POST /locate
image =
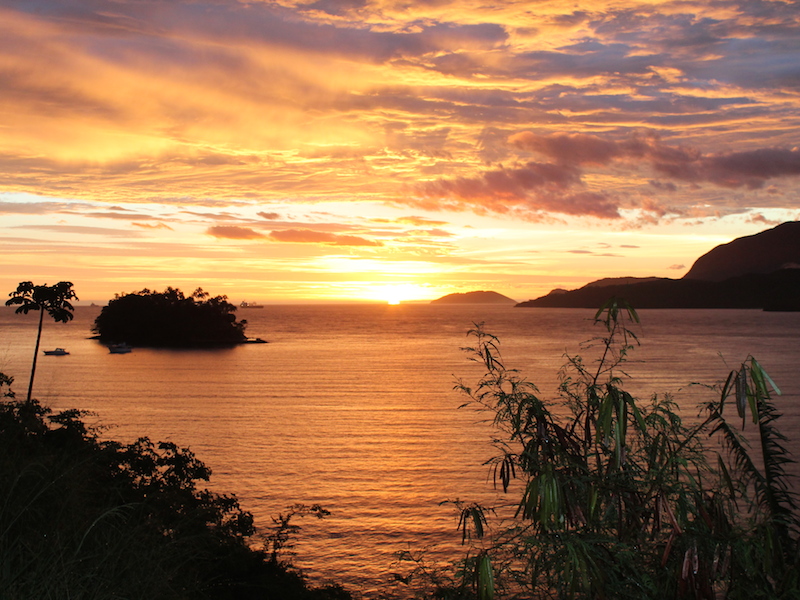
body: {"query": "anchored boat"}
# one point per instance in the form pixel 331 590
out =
pixel 56 352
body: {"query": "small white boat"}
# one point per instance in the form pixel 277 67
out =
pixel 119 348
pixel 56 352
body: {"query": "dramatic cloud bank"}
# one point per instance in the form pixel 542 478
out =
pixel 313 127
pixel 180 101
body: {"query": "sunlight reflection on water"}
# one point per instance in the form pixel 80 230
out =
pixel 353 406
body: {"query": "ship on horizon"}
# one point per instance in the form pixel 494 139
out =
pixel 246 304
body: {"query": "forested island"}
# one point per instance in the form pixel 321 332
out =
pixel 170 319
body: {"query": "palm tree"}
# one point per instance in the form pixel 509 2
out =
pixel 51 298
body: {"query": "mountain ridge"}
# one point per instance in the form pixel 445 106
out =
pixel 760 271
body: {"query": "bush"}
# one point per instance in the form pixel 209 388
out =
pixel 100 520
pixel 619 498
pixel 169 319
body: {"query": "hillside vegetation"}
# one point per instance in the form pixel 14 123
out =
pixel 100 520
pixel 616 497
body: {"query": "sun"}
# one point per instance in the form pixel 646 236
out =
pixel 394 294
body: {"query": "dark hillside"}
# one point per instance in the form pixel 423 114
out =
pixel 779 290
pixel 765 252
pixel 759 271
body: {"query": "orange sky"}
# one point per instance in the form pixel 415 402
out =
pixel 290 150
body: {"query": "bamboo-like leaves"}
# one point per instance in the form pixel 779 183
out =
pixel 506 469
pixel 618 498
pixel 471 521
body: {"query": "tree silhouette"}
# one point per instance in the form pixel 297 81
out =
pixel 55 299
pixel 170 319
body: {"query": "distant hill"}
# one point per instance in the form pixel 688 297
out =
pixel 765 252
pixel 479 297
pixel 771 291
pixel 620 281
pixel 757 271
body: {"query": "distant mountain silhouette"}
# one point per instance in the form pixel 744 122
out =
pixel 479 297
pixel 765 252
pixel 757 271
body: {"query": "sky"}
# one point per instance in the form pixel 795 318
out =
pixel 388 150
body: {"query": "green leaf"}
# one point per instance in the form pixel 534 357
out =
pixel 756 367
pixel 726 476
pixel 741 391
pixel 726 389
pixel 485 578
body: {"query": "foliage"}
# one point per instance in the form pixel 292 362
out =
pixel 278 541
pixel 620 498
pixel 53 299
pixel 170 319
pixel 101 520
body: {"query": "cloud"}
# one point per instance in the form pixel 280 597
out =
pixel 318 100
pixel 526 190
pixel 420 221
pixel 234 232
pixel 269 216
pixel 126 216
pixel 749 168
pixel 307 236
pixel 676 267
pixel 80 230
pixel 431 232
pixel 665 186
pixel 572 149
pixel 153 226
pixel 760 219
pixel 32 208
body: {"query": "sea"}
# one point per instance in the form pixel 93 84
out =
pixel 354 407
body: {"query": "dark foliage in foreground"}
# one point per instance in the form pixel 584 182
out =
pixel 170 319
pixel 612 497
pixel 618 498
pixel 96 520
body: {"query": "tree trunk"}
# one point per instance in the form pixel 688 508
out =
pixel 36 352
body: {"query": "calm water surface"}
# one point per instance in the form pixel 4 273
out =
pixel 352 406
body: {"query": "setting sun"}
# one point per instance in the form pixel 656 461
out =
pixel 397 293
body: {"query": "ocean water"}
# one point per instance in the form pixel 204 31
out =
pixel 353 407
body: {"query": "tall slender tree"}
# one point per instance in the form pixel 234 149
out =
pixel 53 299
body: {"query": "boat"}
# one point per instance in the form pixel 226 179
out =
pixel 246 304
pixel 56 352
pixel 119 348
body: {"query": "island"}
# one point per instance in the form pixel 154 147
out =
pixel 170 319
pixel 760 271
pixel 478 297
